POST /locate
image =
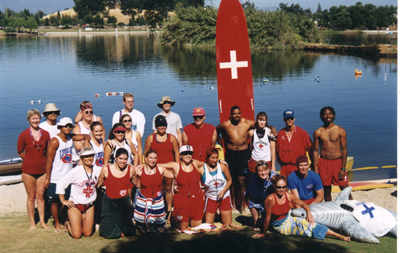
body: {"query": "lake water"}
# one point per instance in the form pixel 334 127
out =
pixel 66 70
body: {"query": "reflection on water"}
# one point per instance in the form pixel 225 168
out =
pixel 358 39
pixel 69 69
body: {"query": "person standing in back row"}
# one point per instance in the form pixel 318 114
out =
pixel 292 142
pixel 173 119
pixel 331 166
pixel 138 119
pixel 199 135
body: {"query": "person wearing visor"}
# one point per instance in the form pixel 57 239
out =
pixel 83 180
pixel 59 161
pixel 118 140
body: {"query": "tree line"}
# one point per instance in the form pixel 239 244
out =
pixel 95 13
pixel 342 17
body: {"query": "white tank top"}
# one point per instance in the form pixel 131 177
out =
pixel 261 147
pixel 114 152
pixel 213 184
pixel 84 130
pixel 133 140
pixel 98 153
pixel 62 162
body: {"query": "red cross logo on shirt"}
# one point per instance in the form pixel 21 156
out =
pixel 216 184
pixel 261 146
pixel 88 191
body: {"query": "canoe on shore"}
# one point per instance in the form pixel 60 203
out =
pixel 10 165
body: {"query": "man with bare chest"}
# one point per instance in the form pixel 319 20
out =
pixel 235 134
pixel 331 165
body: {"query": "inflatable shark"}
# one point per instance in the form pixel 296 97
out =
pixel 362 221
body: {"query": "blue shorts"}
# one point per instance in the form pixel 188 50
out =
pixel 51 192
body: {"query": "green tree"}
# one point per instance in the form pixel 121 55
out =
pixel 153 18
pixel 98 20
pixel 66 21
pixel 3 20
pixel 296 9
pixel 84 7
pixel 319 9
pixel 31 23
pixel 112 20
pixel 54 21
pixel 132 22
pixel 88 19
pixel 357 16
pixel 16 23
pixel 46 22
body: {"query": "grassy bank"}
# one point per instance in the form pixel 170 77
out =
pixel 16 237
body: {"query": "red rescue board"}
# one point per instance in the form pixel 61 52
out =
pixel 234 72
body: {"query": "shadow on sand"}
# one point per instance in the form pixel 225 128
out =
pixel 220 242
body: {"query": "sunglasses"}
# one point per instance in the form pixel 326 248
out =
pixel 281 187
pixel 198 117
pixel 128 120
pixel 119 132
pixel 50 113
pixel 291 118
pixel 69 126
pixel 89 112
pixel 186 153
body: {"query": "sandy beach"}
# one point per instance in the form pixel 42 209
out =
pixel 14 198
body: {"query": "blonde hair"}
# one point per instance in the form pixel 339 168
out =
pixel 31 113
pixel 127 95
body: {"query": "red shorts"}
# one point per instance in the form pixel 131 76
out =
pixel 329 170
pixel 83 207
pixel 211 205
pixel 186 209
pixel 287 169
pixel 309 201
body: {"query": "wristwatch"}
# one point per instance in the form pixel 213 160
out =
pixel 344 169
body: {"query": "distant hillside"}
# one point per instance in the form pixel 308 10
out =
pixel 112 12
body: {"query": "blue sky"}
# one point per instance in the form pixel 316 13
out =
pixel 50 6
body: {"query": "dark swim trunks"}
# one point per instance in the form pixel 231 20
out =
pixel 237 161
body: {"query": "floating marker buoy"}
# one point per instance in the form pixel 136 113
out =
pixel 265 80
pixel 211 88
pixel 358 72
pixel 114 94
pixel 96 95
pixel 36 102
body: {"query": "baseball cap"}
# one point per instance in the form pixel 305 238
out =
pixel 288 114
pixel 186 148
pixel 198 111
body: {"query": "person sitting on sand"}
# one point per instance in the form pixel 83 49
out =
pixel 277 207
pixel 258 189
pixel 83 180
pixel 119 178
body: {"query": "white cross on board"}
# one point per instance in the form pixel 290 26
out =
pixel 233 65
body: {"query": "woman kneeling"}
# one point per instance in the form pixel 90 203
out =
pixel 83 179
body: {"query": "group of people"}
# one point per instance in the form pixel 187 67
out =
pixel 180 180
